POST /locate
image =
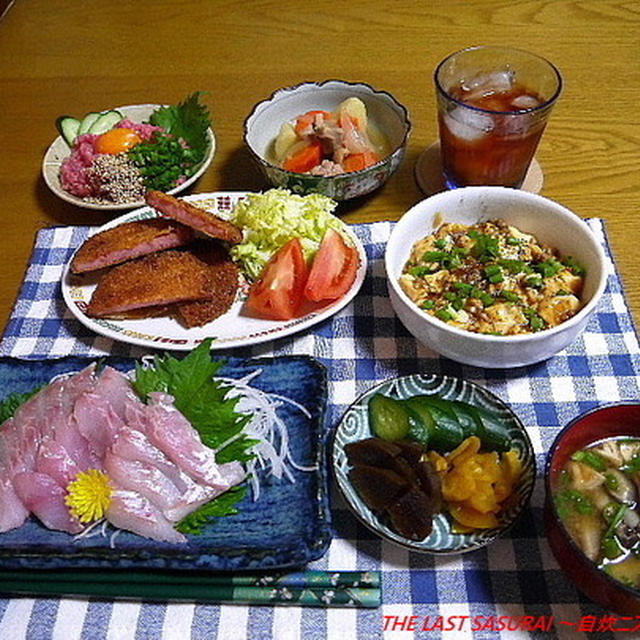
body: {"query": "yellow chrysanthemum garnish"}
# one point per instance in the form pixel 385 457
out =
pixel 89 495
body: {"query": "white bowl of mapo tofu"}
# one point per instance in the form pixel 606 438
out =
pixel 494 277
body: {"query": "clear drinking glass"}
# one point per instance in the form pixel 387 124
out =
pixel 493 105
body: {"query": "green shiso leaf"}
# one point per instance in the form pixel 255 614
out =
pixel 188 120
pixel 224 505
pixel 10 404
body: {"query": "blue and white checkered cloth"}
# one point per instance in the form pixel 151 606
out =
pixel 362 345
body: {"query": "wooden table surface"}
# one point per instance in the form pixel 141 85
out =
pixel 70 57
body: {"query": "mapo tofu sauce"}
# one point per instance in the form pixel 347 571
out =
pixel 492 278
pixel 597 498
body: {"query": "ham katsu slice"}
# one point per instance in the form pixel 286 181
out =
pixel 194 217
pixel 133 512
pixel 159 278
pixel 128 241
pixel 173 434
pixel 44 497
pixel 223 282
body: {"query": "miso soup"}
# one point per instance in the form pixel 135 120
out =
pixel 597 496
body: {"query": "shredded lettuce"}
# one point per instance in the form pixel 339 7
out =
pixel 273 218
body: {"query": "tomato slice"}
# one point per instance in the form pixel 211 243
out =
pixel 280 289
pixel 333 270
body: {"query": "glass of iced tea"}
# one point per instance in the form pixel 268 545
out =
pixel 493 105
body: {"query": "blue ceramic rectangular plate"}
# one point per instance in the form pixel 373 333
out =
pixel 288 526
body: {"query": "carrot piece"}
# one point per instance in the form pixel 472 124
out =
pixel 305 159
pixel 304 121
pixel 359 161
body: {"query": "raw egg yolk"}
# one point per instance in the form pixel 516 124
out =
pixel 117 141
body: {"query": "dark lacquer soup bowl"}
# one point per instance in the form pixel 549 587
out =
pixel 613 421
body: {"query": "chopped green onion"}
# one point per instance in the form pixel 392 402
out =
pixel 420 272
pixel 590 458
pixel 510 296
pixel 515 266
pixel 574 266
pixel 611 482
pixel 445 315
pixel 464 287
pixel 428 304
pixel 548 268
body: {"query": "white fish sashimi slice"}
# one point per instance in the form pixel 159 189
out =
pixel 115 387
pixel 77 446
pixel 12 512
pixel 173 434
pixel 54 403
pixel 44 497
pixel 195 496
pixel 132 444
pixel 97 422
pixel 54 460
pixel 133 512
pixel 143 478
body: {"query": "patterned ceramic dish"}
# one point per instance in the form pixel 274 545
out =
pixel 354 426
pixel 285 105
pixel 59 150
pixel 287 526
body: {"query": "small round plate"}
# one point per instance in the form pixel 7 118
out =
pixel 354 426
pixel 233 329
pixel 59 150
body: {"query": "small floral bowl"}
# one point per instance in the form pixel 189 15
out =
pixel 285 105
pixel 442 540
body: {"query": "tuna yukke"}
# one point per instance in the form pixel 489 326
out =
pixel 115 159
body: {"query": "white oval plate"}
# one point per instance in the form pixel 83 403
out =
pixel 59 150
pixel 230 330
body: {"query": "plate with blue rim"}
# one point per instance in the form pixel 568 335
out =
pixel 354 426
pixel 287 526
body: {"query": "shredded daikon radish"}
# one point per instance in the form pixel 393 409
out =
pixel 272 452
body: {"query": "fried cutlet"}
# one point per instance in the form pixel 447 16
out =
pixel 194 217
pixel 223 282
pixel 128 241
pixel 154 280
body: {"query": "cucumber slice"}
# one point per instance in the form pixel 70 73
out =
pixel 467 419
pixel 493 433
pixel 445 432
pixel 388 418
pixel 68 128
pixel 105 122
pixel 87 121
